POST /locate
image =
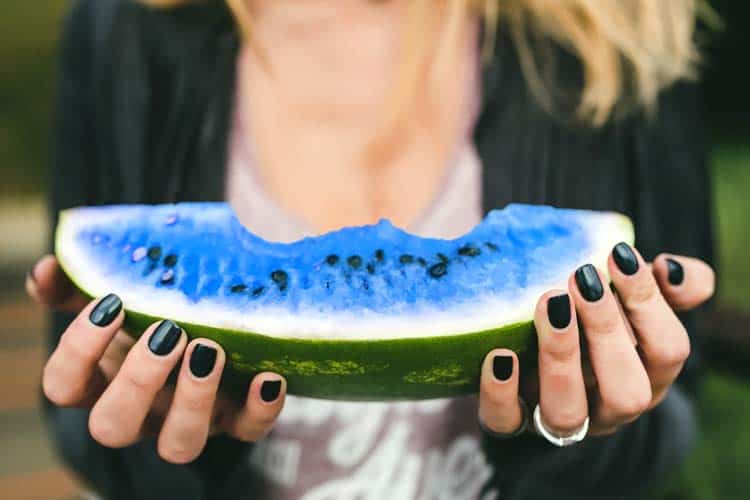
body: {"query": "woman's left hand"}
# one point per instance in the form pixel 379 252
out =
pixel 635 346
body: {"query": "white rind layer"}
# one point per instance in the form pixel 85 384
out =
pixel 605 230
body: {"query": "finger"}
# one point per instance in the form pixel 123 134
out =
pixel 116 352
pixel 118 415
pixel 661 336
pixel 562 393
pixel 185 430
pixel 624 390
pixel 47 284
pixel 157 414
pixel 72 376
pixel 499 408
pixel 265 398
pixel 685 282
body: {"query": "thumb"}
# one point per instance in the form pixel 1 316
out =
pixel 685 282
pixel 499 408
pixel 48 285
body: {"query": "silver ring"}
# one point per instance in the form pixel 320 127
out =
pixel 573 438
pixel 510 435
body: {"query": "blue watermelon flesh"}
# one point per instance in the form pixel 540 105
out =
pixel 195 262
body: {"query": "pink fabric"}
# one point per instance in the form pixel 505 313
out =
pixel 343 450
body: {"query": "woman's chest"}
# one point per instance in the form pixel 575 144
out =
pixel 319 175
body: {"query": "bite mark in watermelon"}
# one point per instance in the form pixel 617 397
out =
pixel 362 313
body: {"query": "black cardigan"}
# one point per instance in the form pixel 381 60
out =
pixel 144 107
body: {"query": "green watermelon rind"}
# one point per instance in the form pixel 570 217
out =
pixel 355 370
pixel 359 369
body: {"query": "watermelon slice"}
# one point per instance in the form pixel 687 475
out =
pixel 362 313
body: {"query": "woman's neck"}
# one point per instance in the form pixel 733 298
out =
pixel 329 58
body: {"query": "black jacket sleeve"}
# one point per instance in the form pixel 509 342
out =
pixel 76 179
pixel 673 205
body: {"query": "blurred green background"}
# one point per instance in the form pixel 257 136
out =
pixel 29 30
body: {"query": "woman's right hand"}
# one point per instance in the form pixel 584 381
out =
pixel 96 365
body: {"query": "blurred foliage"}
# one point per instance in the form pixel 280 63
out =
pixel 731 178
pixel 28 36
pixel 719 467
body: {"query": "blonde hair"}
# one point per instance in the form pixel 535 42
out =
pixel 629 50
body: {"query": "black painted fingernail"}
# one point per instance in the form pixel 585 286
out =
pixel 589 283
pixel 164 338
pixel 270 390
pixel 106 310
pixel 558 311
pixel 625 259
pixel 502 367
pixel 202 360
pixel 675 272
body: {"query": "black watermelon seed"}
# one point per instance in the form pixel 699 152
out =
pixel 332 260
pixel 442 257
pixel 168 277
pixel 154 253
pixel 438 270
pixel 371 268
pixel 421 261
pixel 406 259
pixel 239 288
pixel 281 278
pixel 170 260
pixel 491 246
pixel 469 251
pixel 379 255
pixel 257 292
pixel 355 261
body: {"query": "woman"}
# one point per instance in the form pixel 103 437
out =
pixel 311 115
